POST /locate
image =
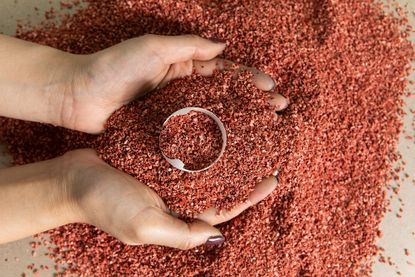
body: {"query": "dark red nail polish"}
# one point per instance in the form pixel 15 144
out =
pixel 215 240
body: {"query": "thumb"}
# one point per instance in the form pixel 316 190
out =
pixel 167 230
pixel 176 49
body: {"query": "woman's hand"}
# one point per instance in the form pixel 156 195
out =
pixel 42 84
pixel 78 187
pixel 132 212
pixel 108 79
pixel 80 92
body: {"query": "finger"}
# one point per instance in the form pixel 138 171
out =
pixel 259 79
pixel 206 68
pixel 261 191
pixel 278 101
pixel 177 70
pixel 176 49
pixel 164 229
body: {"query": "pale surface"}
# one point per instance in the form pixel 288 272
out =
pixel 399 233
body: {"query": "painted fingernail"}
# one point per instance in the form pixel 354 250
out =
pixel 217 40
pixel 215 240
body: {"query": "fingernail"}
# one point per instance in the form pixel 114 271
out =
pixel 215 240
pixel 217 40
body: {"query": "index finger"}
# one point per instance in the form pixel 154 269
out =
pixel 259 79
pixel 176 49
pixel 261 191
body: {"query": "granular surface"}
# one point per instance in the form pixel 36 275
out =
pixel 193 138
pixel 131 141
pixel 342 64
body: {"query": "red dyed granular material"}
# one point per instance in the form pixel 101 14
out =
pixel 342 64
pixel 193 138
pixel 131 141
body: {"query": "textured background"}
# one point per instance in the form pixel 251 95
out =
pixel 398 233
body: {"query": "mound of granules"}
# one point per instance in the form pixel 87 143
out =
pixel 342 64
pixel 131 141
pixel 193 138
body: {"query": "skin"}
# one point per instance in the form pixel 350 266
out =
pixel 80 92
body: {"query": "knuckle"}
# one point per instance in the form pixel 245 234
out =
pixel 140 235
pixel 223 216
pixel 130 235
pixel 142 225
pixel 148 40
pixel 186 243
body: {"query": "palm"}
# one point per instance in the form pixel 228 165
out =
pixel 135 214
pixel 114 201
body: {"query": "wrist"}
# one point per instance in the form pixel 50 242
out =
pixel 36 196
pixel 68 201
pixel 83 105
pixel 36 81
pixel 59 92
pixel 81 176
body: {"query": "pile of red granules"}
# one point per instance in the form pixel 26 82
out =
pixel 342 64
pixel 193 138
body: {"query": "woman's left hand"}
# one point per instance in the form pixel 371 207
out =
pixel 80 92
pixel 108 79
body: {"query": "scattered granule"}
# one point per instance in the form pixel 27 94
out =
pixel 342 64
pixel 193 138
pixel 69 4
pixel 390 262
pixel 406 251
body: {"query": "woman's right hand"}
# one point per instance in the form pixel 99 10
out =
pixel 132 212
